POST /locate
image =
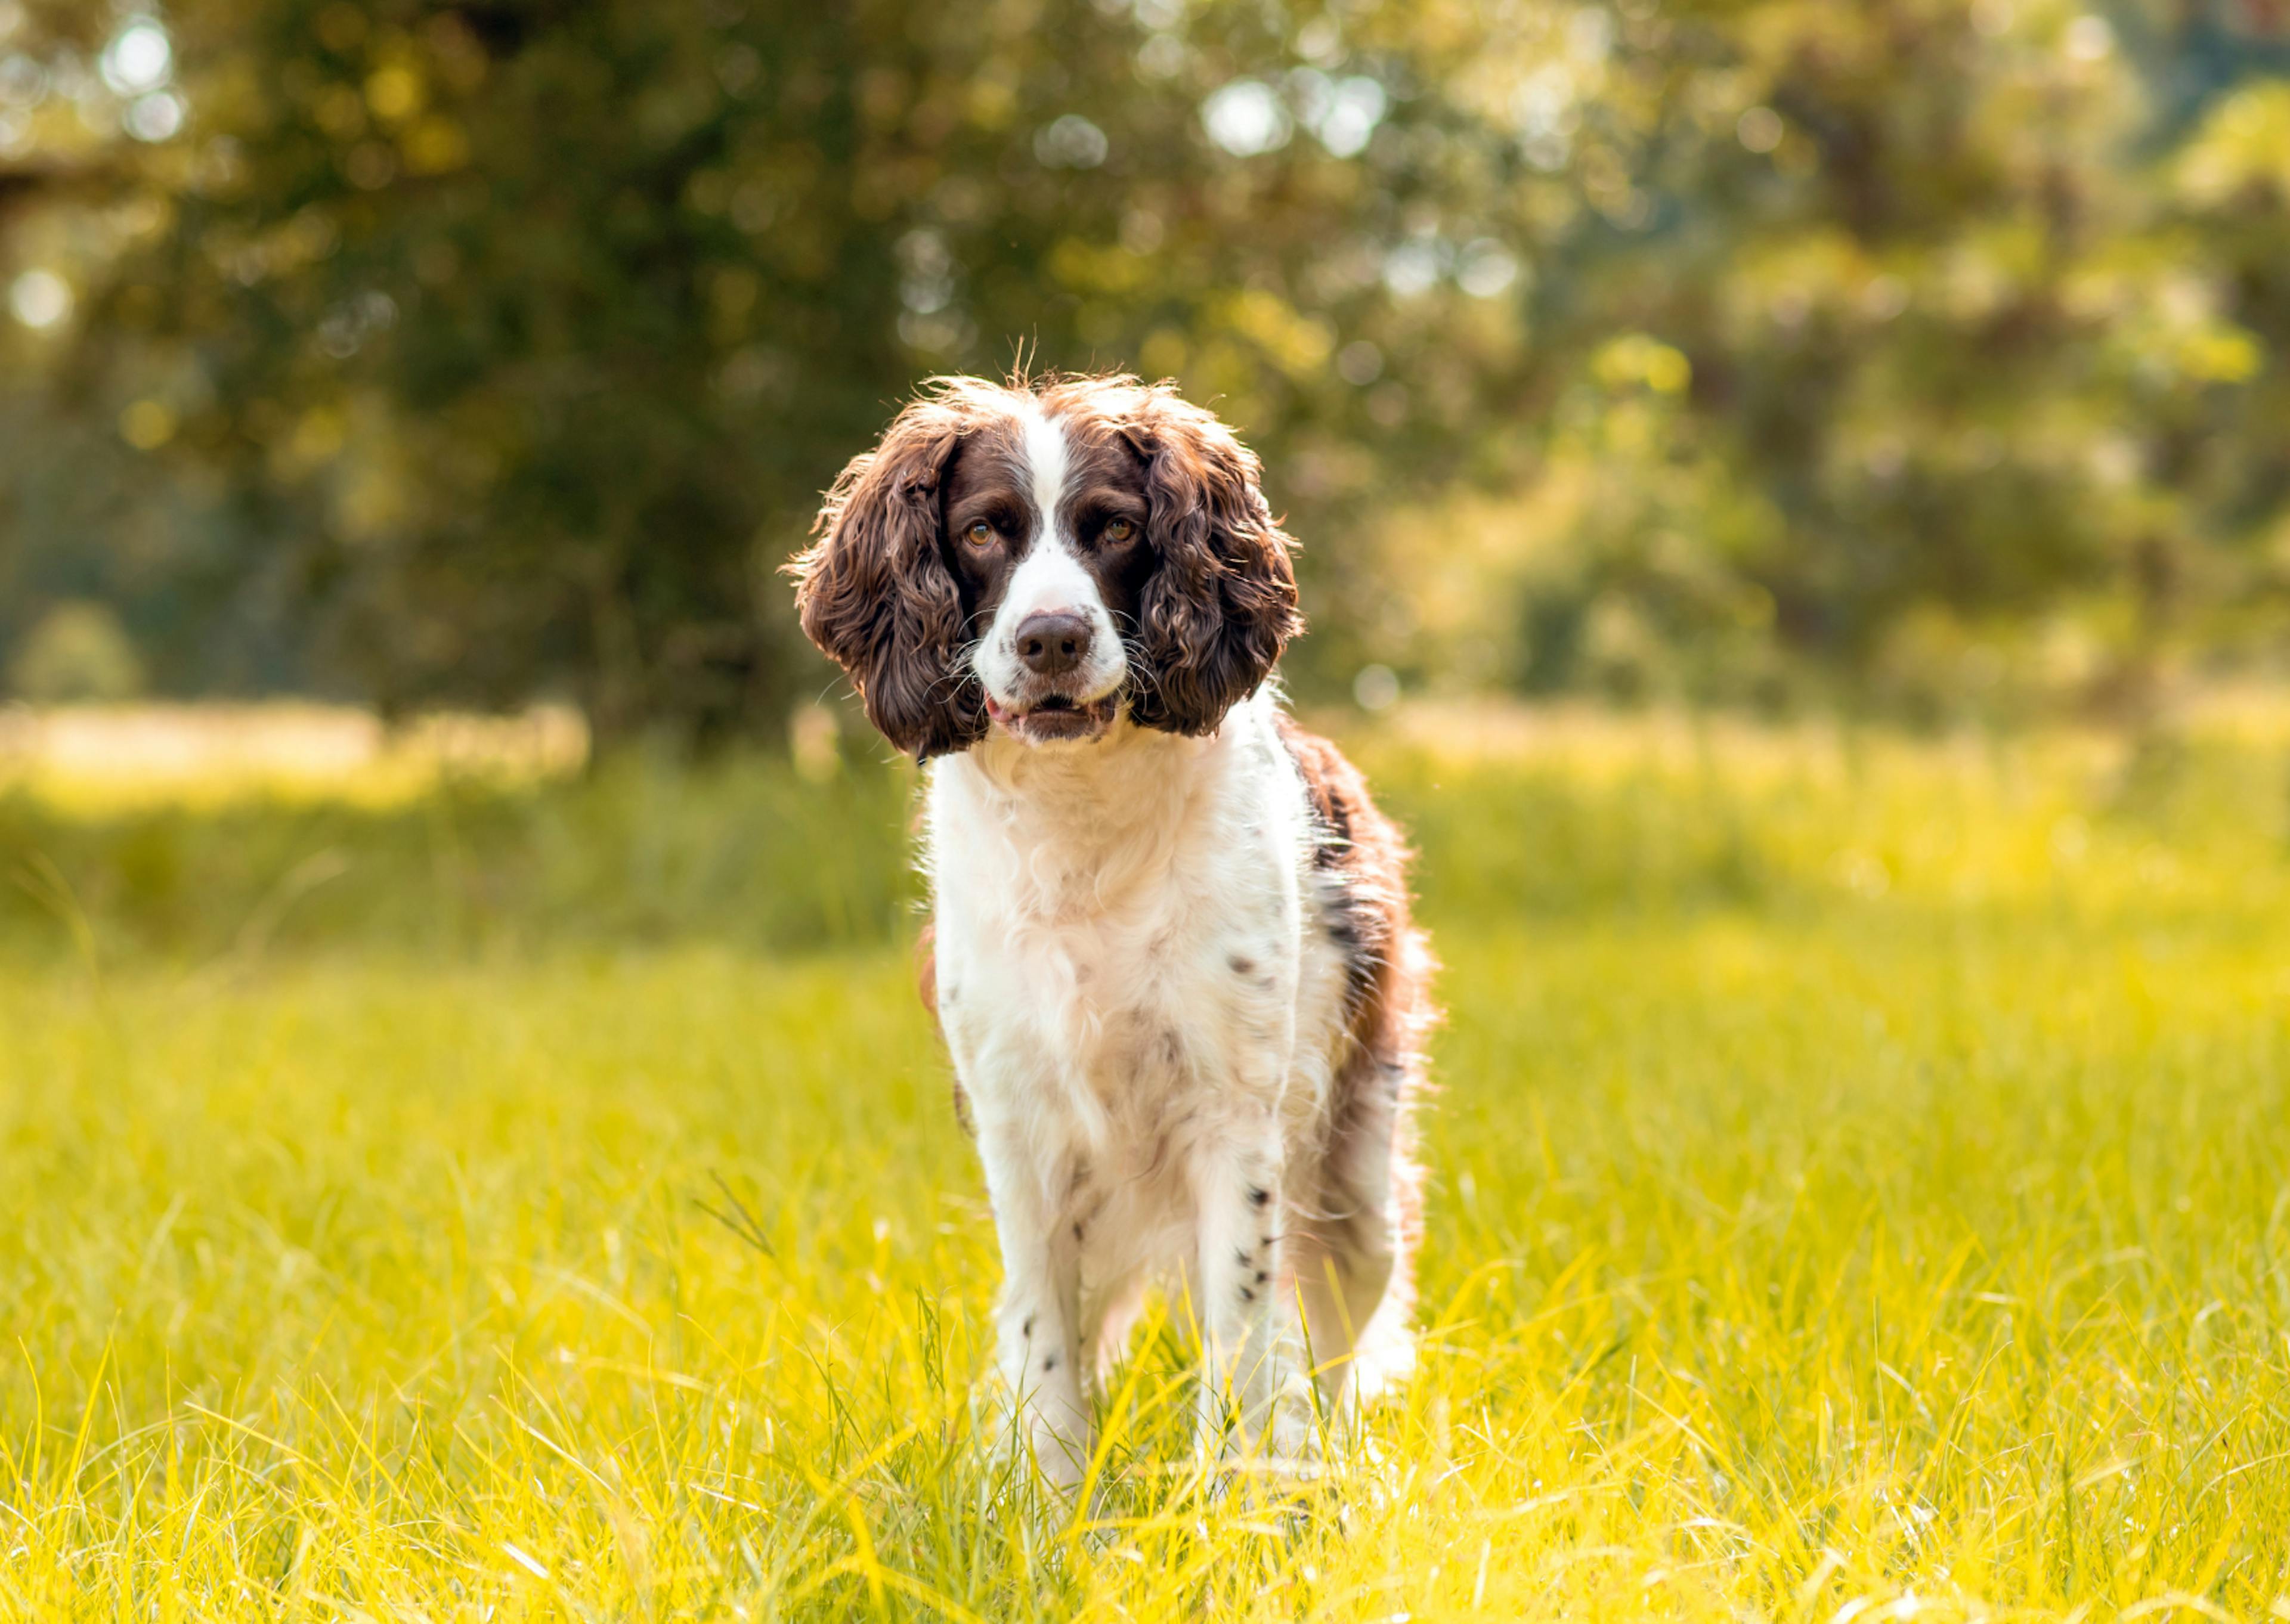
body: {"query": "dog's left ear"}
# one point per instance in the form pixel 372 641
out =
pixel 1223 604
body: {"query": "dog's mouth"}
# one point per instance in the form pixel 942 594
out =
pixel 1055 717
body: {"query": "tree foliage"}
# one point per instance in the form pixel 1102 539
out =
pixel 441 352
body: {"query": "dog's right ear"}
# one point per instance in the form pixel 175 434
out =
pixel 876 595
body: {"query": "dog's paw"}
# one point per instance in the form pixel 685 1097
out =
pixel 1023 1449
pixel 1279 1441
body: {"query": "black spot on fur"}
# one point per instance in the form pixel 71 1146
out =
pixel 1242 964
pixel 1244 1255
pixel 1247 1295
pixel 1027 1330
pixel 1258 1196
pixel 1348 934
pixel 1353 927
pixel 1049 1362
pixel 1076 1228
pixel 1262 1276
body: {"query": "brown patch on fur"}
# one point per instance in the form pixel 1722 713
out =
pixel 1220 605
pixel 1364 856
pixel 1369 1145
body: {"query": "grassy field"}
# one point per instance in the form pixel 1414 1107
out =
pixel 1861 1191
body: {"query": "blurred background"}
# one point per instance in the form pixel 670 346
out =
pixel 405 409
pixel 1921 356
pixel 1795 502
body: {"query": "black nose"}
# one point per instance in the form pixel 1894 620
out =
pixel 1052 643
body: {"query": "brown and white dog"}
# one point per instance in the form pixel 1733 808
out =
pixel 1174 959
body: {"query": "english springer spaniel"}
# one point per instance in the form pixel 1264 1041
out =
pixel 1173 955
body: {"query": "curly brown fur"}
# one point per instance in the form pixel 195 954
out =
pixel 1205 609
pixel 1216 616
pixel 874 592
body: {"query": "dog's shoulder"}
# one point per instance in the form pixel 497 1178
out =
pixel 1352 839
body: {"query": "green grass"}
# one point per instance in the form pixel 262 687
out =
pixel 1862 1191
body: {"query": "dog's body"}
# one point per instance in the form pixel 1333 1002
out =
pixel 1172 960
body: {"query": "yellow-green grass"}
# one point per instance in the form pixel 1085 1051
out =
pixel 1862 1189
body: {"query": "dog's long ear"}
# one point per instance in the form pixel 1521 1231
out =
pixel 874 593
pixel 1223 604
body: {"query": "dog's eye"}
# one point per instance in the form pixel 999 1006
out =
pixel 1119 530
pixel 980 534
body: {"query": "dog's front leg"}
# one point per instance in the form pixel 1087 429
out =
pixel 1037 1331
pixel 1250 1346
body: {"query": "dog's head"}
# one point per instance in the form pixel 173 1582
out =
pixel 1037 558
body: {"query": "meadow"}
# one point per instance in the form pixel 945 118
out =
pixel 1861 1191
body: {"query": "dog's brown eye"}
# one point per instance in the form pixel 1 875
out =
pixel 1119 530
pixel 979 534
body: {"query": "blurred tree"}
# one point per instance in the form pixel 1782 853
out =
pixel 76 652
pixel 452 352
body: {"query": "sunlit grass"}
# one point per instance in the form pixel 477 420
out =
pixel 93 759
pixel 1862 1190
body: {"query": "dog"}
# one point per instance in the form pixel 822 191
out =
pixel 1173 958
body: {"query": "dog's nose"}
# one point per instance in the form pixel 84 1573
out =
pixel 1053 643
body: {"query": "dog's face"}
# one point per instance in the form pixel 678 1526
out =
pixel 1045 522
pixel 1040 560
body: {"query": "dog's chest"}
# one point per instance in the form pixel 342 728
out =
pixel 1106 979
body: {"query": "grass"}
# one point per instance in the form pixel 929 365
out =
pixel 1862 1191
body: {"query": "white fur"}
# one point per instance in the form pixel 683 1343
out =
pixel 1050 578
pixel 1145 1012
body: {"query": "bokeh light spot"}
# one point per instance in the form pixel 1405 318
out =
pixel 1486 268
pixel 1376 688
pixel 140 58
pixel 156 117
pixel 1070 142
pixel 40 299
pixel 147 425
pixel 1759 128
pixel 1246 119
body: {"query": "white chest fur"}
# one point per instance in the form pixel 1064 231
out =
pixel 1125 966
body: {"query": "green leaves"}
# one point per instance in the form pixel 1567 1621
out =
pixel 477 351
